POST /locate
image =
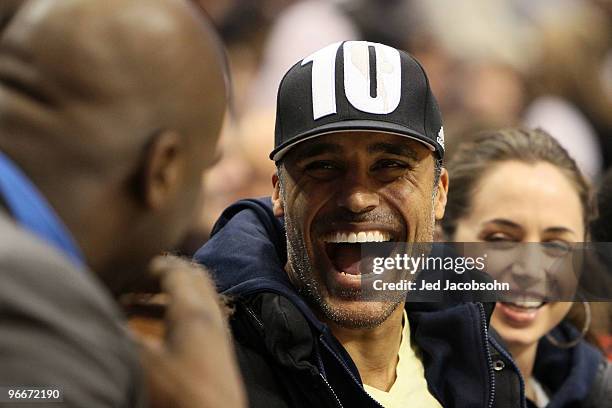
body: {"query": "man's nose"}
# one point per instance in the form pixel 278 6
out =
pixel 357 195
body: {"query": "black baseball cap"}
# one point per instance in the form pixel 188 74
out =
pixel 356 86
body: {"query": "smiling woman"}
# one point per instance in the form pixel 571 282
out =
pixel 520 186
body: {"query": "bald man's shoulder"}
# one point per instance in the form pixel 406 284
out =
pixel 46 300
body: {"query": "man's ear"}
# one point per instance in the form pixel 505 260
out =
pixel 277 199
pixel 164 170
pixel 442 195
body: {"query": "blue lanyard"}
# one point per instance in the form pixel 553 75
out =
pixel 32 211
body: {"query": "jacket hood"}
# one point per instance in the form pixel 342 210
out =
pixel 244 240
pixel 246 254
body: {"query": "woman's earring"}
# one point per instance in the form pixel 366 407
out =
pixel 585 329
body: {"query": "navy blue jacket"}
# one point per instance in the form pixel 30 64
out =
pixel 576 377
pixel 289 358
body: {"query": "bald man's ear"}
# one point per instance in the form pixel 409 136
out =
pixel 164 171
pixel 442 194
pixel 277 199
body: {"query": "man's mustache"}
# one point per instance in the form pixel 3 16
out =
pixel 382 217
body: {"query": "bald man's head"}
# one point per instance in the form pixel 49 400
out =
pixel 113 108
pixel 121 66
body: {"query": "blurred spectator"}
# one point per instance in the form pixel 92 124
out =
pixel 300 30
pixel 567 83
pixel 571 129
pixel 477 54
pixel 574 45
pixel 389 22
pixel 601 227
pixel 479 31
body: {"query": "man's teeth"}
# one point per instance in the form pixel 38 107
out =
pixel 353 237
pixel 528 304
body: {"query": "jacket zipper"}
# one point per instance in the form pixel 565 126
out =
pixel 348 372
pixel 254 316
pixel 329 387
pixel 508 357
pixel 485 333
pixel 327 384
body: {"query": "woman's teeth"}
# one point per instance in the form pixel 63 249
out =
pixel 357 237
pixel 527 304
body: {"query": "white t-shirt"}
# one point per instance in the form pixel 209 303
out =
pixel 410 386
pixel 541 398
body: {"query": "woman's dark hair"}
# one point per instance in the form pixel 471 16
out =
pixel 474 159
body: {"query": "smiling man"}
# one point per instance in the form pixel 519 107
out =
pixel 359 148
pixel 343 189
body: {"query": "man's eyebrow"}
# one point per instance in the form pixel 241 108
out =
pixel 505 223
pixel 398 149
pixel 318 149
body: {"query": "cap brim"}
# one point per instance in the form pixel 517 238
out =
pixel 351 126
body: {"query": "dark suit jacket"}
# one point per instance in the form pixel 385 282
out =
pixel 59 326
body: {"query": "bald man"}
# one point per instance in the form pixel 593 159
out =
pixel 109 114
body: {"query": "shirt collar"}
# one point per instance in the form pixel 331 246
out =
pixel 32 211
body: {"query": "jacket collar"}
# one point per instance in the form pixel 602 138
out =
pixel 31 210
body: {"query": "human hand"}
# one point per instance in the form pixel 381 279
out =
pixel 194 366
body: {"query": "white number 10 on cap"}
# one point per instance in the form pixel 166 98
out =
pixel 379 95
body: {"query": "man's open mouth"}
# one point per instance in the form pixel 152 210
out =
pixel 344 248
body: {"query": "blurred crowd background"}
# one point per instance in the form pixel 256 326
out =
pixel 492 63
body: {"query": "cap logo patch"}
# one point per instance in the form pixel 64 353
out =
pixel 372 78
pixel 440 138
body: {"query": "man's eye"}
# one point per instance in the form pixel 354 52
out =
pixel 323 169
pixel 321 165
pixel 500 241
pixel 497 237
pixel 390 164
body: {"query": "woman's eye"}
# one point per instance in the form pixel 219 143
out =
pixel 557 248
